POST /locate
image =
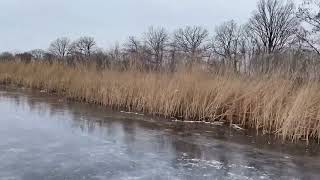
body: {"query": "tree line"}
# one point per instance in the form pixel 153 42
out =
pixel 280 36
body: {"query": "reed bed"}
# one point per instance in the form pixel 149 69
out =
pixel 272 105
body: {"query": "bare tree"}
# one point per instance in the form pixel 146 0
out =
pixel 250 49
pixel 156 40
pixel 60 47
pixel 135 52
pixel 84 46
pixel 173 52
pixel 132 45
pixel 274 23
pixel 191 40
pixel 309 13
pixel 226 42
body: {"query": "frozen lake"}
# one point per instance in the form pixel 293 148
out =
pixel 47 138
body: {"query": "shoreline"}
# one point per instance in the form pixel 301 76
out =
pixel 223 133
pixel 160 95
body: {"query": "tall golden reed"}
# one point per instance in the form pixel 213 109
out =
pixel 274 105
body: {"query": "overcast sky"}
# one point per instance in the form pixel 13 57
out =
pixel 30 24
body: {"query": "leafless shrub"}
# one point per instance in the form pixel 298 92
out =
pixel 37 54
pixel 24 57
pixel 6 56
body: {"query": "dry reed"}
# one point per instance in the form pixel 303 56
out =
pixel 270 105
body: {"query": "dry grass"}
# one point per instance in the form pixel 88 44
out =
pixel 270 105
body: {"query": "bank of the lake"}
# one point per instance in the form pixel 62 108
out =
pixel 286 108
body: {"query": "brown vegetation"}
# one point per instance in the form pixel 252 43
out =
pixel 262 75
pixel 286 108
